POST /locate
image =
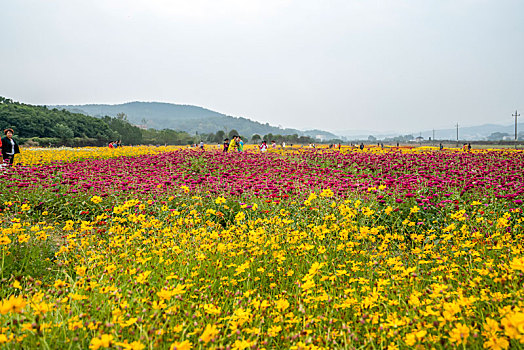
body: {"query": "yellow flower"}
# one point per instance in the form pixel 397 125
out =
pixel 136 345
pixel 142 277
pixel 81 270
pixel 211 309
pixel 220 200
pixel 4 240
pixel 25 207
pixel 13 304
pixel 273 331
pixel 209 333
pixel 326 193
pixel 459 334
pixel 23 238
pixel 185 345
pixel 179 289
pixel 308 285
pixel 517 264
pixel 410 339
pixel 103 341
pixel 59 283
pixel 414 210
pixel 282 304
pixel 96 199
pixel 514 325
pixel 496 343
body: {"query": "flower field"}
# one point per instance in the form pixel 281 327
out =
pixel 296 248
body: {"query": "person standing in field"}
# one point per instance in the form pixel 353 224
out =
pixel 233 144
pixel 240 144
pixel 226 145
pixel 9 147
pixel 362 146
pixel 263 147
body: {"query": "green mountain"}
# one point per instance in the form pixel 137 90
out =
pixel 39 121
pixel 43 126
pixel 191 119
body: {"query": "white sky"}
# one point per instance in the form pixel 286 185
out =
pixel 382 65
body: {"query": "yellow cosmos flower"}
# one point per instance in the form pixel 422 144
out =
pixel 13 304
pixel 209 333
pixel 103 341
pixel 185 345
pixel 517 264
pixel 273 331
pixel 459 334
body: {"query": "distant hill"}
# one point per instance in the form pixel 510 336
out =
pixel 466 133
pixel 479 132
pixel 191 119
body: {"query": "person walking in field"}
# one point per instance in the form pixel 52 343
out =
pixel 9 147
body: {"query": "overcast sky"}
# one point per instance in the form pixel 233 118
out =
pixel 383 65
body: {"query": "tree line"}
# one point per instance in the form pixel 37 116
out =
pixel 39 125
pixel 220 135
pixel 42 126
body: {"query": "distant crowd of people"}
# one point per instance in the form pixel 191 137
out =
pixel 115 144
pixel 236 144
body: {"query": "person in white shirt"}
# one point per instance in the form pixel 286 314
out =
pixel 263 147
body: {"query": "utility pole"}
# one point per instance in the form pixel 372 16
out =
pixel 433 136
pixel 457 133
pixel 516 115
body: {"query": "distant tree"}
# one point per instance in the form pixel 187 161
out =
pixel 232 133
pixel 269 137
pixel 497 136
pixel 63 132
pixel 129 134
pixel 372 138
pixel 219 136
pixel 256 138
pixel 36 121
pixel 121 116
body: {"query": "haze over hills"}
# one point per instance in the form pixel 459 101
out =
pixel 188 118
pixel 467 133
pixel 199 120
